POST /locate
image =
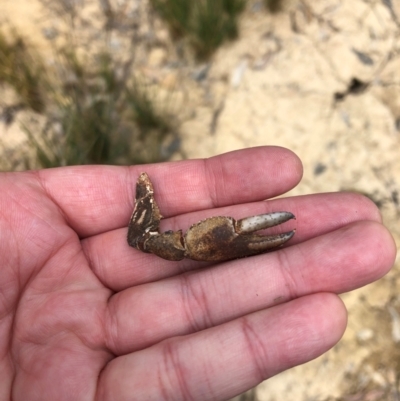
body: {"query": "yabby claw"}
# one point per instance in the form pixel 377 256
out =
pixel 214 239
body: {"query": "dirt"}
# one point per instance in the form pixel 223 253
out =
pixel 321 78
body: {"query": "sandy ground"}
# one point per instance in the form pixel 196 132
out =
pixel 288 82
pixel 321 78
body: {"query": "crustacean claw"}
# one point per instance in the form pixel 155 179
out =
pixel 214 239
pixel 261 221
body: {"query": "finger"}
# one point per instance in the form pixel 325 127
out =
pixel 335 262
pixel 119 266
pixel 96 199
pixel 224 361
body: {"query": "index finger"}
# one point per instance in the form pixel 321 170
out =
pixel 96 199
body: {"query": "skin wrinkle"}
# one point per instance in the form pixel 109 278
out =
pixel 192 300
pixel 73 204
pixel 26 177
pixel 12 224
pixel 232 199
pixel 41 181
pixel 173 367
pixel 13 362
pixel 100 315
pixel 74 258
pixel 12 301
pixel 256 349
pixel 10 369
pixel 161 385
pixel 130 186
pixel 6 308
pixel 289 276
pixel 61 213
pixel 49 260
pixel 8 327
pixel 210 173
pixel 51 252
pixel 160 188
pixel 95 262
pixel 223 178
pixel 105 318
pixel 111 325
pixel 90 260
pixel 29 279
pixel 35 337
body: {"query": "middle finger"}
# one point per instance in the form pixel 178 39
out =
pixel 119 266
pixel 335 262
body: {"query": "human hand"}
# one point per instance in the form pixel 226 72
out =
pixel 85 317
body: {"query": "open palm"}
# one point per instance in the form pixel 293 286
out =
pixel 85 317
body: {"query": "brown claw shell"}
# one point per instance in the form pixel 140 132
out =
pixel 217 239
pixel 214 239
